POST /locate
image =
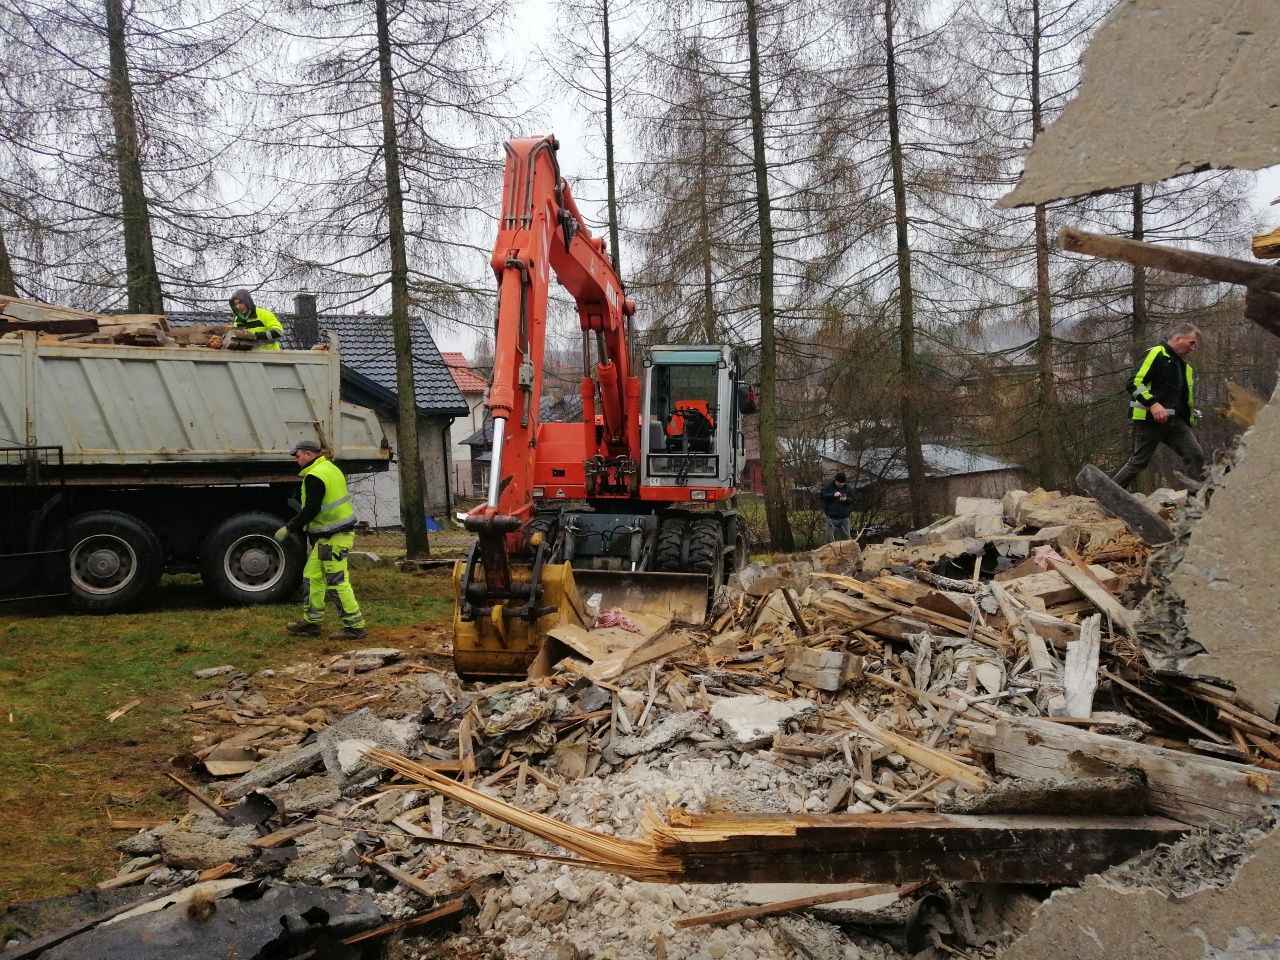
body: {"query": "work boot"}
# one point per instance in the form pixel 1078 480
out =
pixel 348 633
pixel 303 628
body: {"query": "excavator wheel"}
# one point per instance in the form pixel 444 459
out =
pixel 706 549
pixel 668 553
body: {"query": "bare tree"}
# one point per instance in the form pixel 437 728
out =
pixel 386 147
pixel 128 110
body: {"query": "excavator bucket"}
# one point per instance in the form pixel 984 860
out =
pixel 682 597
pixel 498 646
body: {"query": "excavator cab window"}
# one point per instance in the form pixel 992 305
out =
pixel 683 400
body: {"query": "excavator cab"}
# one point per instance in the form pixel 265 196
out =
pixel 692 392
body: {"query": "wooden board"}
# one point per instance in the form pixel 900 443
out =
pixel 1202 791
pixel 1052 587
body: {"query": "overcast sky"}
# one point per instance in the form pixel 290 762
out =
pixel 534 26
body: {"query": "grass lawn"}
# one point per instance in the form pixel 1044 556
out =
pixel 65 771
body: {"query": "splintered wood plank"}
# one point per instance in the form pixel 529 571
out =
pixel 905 847
pixel 1202 791
pixel 1080 676
pixel 786 906
pixel 1095 592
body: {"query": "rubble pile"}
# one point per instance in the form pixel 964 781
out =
pixel 986 673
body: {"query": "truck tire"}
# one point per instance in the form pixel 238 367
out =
pixel 668 551
pixel 114 560
pixel 240 562
pixel 706 549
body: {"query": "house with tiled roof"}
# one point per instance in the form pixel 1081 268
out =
pixel 474 388
pixel 367 348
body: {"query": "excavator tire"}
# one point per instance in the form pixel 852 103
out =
pixel 706 549
pixel 668 553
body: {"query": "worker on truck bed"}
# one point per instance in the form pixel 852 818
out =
pixel 254 322
pixel 1162 407
pixel 329 521
pixel 837 505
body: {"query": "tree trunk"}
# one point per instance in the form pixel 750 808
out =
pixel 704 244
pixel 775 504
pixel 1047 445
pixel 8 285
pixel 142 277
pixel 615 249
pixel 917 480
pixel 412 509
pixel 1138 329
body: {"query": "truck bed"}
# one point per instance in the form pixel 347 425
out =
pixel 177 411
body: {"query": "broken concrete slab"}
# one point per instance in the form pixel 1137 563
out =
pixel 752 721
pixel 1230 572
pixel 196 851
pixel 665 732
pixel 1147 111
pixel 269 772
pixel 1107 919
pixel 343 744
pixel 211 673
pixel 306 795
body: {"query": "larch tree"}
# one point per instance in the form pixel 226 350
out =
pixel 386 141
pixel 126 142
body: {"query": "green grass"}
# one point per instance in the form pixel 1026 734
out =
pixel 64 771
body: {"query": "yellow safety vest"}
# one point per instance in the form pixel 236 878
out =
pixel 336 513
pixel 261 322
pixel 1142 392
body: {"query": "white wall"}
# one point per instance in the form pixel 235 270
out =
pixel 376 496
pixel 462 428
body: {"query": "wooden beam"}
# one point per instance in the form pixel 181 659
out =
pixel 786 906
pixel 1202 791
pixel 907 847
pixel 1123 505
pixel 1170 259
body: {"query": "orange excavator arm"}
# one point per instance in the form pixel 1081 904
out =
pixel 541 232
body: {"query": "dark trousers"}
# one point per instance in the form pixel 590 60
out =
pixel 1147 435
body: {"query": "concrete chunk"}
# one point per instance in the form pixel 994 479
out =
pixel 750 722
pixel 271 771
pixel 195 851
pixel 663 733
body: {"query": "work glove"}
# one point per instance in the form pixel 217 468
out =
pixel 281 535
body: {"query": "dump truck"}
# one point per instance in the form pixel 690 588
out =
pixel 119 464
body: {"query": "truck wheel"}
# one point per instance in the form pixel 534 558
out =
pixel 706 549
pixel 668 551
pixel 114 560
pixel 242 564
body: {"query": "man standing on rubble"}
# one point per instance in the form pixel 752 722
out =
pixel 837 504
pixel 251 322
pixel 327 517
pixel 1162 407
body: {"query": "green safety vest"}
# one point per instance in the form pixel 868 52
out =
pixel 1142 392
pixel 336 513
pixel 261 322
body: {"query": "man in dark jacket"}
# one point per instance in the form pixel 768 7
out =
pixel 1162 407
pixel 837 505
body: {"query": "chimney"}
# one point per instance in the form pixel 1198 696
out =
pixel 306 325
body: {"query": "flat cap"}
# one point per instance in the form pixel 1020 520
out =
pixel 308 445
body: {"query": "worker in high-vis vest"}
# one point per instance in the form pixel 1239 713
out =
pixel 252 322
pixel 1162 405
pixel 328 520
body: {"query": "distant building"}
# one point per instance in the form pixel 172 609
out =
pixel 369 380
pixel 473 388
pixel 878 475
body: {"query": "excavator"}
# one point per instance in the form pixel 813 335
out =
pixel 634 501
